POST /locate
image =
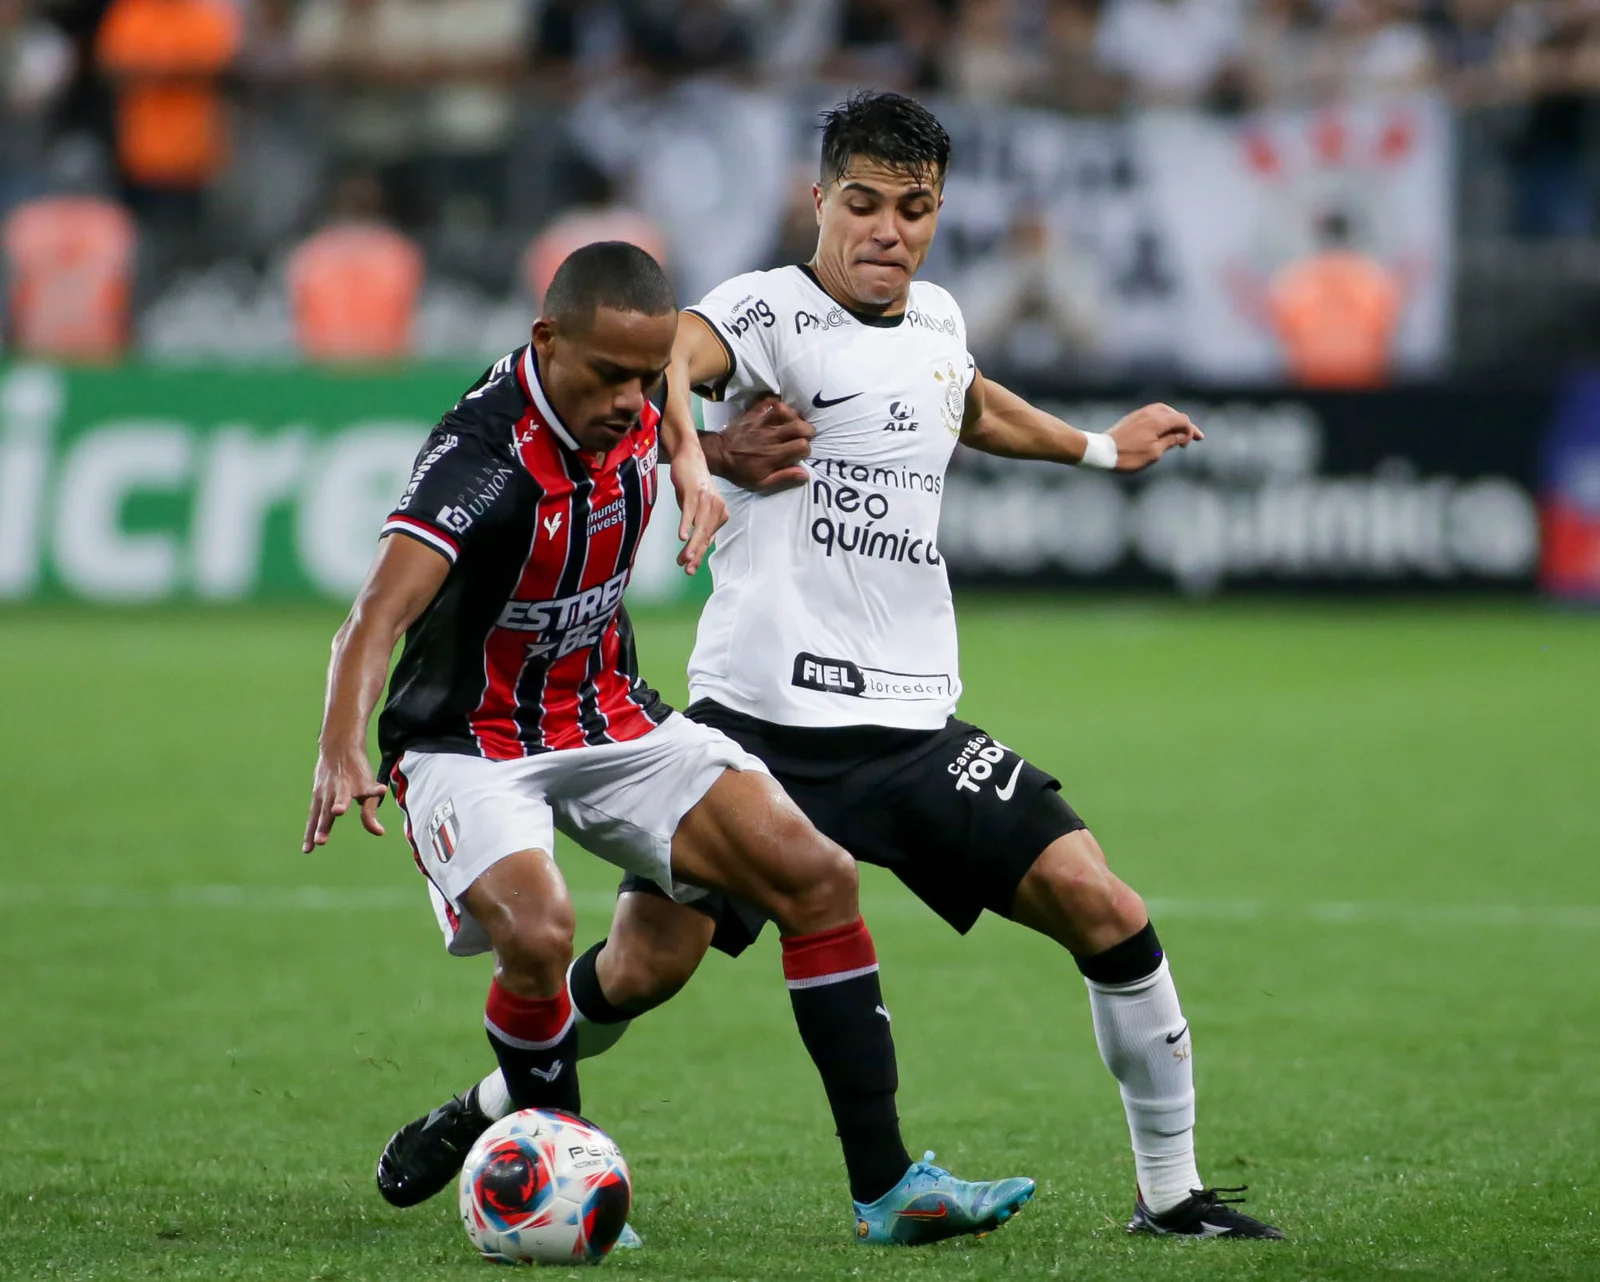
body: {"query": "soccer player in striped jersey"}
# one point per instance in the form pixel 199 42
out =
pixel 517 708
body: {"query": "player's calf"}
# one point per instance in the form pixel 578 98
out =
pixel 522 905
pixel 654 948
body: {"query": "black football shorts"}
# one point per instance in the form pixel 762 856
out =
pixel 958 817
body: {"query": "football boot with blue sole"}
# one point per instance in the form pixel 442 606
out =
pixel 929 1204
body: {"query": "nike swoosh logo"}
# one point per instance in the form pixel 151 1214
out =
pixel 1011 784
pixel 881 1011
pixel 925 1215
pixel 548 1074
pixel 1213 1230
pixel 1173 1041
pixel 818 403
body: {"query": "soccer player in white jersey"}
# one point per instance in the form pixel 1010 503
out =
pixel 828 649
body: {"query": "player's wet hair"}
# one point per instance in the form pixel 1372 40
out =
pixel 609 273
pixel 889 128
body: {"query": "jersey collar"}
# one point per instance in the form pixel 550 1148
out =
pixel 876 319
pixel 541 402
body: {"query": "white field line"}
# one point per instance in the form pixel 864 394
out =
pixel 395 898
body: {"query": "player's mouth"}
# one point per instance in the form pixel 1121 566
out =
pixel 614 429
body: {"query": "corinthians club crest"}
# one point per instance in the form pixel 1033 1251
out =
pixel 953 396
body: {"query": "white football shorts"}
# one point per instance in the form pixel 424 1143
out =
pixel 621 801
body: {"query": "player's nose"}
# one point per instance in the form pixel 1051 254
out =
pixel 629 398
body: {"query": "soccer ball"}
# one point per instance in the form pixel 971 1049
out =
pixel 545 1187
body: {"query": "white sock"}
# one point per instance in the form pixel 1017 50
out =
pixel 1144 1040
pixel 494 1100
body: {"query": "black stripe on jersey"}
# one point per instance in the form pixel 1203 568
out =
pixel 628 658
pixel 639 693
pixel 596 725
pixel 529 688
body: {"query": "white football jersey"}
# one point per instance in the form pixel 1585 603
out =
pixel 830 605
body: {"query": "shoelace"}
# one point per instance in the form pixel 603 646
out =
pixel 1212 1196
pixel 926 1167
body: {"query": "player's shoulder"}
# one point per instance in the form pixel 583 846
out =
pixel 487 412
pixel 933 307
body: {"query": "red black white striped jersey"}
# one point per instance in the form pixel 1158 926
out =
pixel 526 647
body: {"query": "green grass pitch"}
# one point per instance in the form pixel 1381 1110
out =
pixel 1367 833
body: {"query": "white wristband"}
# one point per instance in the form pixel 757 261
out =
pixel 1099 450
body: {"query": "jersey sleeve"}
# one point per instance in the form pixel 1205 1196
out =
pixel 969 365
pixel 744 316
pixel 457 488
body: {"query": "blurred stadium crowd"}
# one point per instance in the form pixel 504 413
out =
pixel 256 179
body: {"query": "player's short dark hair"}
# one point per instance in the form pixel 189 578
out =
pixel 889 128
pixel 608 273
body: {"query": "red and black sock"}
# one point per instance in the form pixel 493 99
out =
pixel 536 1041
pixel 838 1005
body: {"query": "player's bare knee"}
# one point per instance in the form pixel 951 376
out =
pixel 825 891
pixel 532 949
pixel 1085 893
pixel 1072 895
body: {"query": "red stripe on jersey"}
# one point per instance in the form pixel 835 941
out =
pixel 430 534
pixel 615 688
pixel 569 678
pixel 565 522
pixel 562 675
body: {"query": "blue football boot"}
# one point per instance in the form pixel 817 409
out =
pixel 929 1204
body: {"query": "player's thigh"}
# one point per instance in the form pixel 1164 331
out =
pixel 465 817
pixel 970 817
pixel 626 801
pixel 1071 895
pixel 747 839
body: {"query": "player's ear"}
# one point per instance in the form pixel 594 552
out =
pixel 543 334
pixel 817 197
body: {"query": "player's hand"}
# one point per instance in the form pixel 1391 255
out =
pixel 1145 435
pixel 703 507
pixel 341 778
pixel 762 448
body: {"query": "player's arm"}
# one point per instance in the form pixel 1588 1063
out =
pixel 405 576
pixel 998 421
pixel 758 450
pixel 698 359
